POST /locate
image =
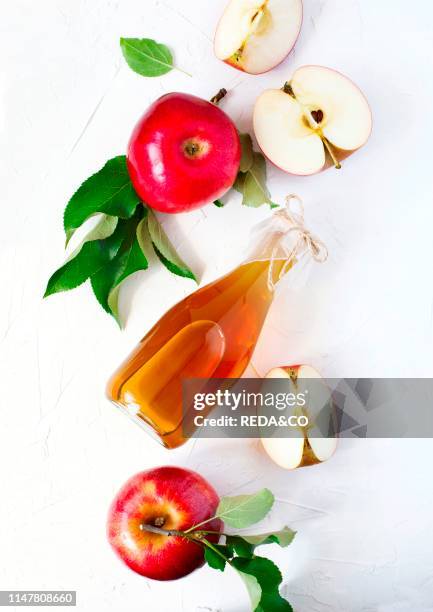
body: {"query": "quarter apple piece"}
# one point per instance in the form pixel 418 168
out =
pixel 316 120
pixel 307 445
pixel 257 35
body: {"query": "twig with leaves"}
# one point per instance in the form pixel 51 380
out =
pixel 116 247
pixel 260 575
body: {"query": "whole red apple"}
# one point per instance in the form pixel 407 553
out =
pixel 170 498
pixel 184 153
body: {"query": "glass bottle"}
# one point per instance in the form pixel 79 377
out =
pixel 210 334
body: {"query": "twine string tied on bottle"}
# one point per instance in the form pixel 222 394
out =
pixel 306 242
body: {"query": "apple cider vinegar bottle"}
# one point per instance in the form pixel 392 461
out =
pixel 212 333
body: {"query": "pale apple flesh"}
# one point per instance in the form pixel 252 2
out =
pixel 257 35
pixel 307 445
pixel 316 120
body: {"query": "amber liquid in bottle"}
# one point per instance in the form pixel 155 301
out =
pixel 210 334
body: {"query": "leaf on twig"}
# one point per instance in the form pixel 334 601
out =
pixel 108 191
pixel 251 179
pixel 254 189
pixel 247 157
pixel 245 510
pixel 267 581
pixel 261 576
pixel 253 588
pixel 165 251
pixel 283 538
pixel 213 559
pixel 94 252
pixel 129 259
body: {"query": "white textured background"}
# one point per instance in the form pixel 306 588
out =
pixel 365 519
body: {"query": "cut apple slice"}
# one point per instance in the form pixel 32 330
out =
pixel 306 445
pixel 257 35
pixel 316 120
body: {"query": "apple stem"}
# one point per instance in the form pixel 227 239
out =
pixel 194 527
pixel 216 551
pixel 287 88
pixel 219 96
pixel 328 147
pixel 160 531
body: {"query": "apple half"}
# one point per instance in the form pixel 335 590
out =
pixel 316 120
pixel 307 445
pixel 256 35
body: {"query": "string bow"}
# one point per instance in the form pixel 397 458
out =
pixel 306 242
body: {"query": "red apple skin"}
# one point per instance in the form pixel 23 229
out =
pixel 165 175
pixel 181 498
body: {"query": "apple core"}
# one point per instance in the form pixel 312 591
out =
pixel 317 116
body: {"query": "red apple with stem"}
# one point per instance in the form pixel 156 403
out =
pixel 148 513
pixel 184 153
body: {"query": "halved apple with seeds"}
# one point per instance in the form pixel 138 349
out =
pixel 257 35
pixel 310 444
pixel 316 120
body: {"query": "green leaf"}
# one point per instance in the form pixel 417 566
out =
pixel 283 538
pixel 136 261
pixel 245 510
pixel 109 191
pixel 105 228
pixel 147 57
pixel 254 190
pixel 240 182
pixel 130 259
pixel 88 259
pixel 253 588
pixel 251 179
pixel 247 152
pixel 143 236
pixel 269 578
pixel 240 546
pixel 244 546
pixel 273 602
pixel 213 559
pixel 103 281
pixel 165 250
pixel 219 204
pixel 264 570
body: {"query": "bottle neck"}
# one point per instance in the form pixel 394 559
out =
pixel 283 240
pixel 278 252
